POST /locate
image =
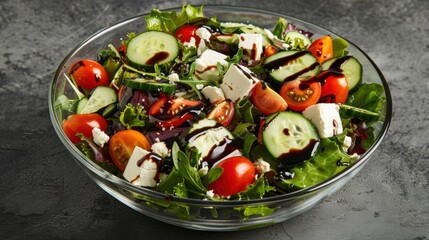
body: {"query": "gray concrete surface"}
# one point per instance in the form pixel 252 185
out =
pixel 44 195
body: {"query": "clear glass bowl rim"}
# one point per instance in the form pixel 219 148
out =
pixel 93 168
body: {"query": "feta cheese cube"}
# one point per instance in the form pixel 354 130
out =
pixel 206 65
pixel 326 118
pixel 99 137
pixel 148 173
pixel 191 43
pixel 347 143
pixel 203 33
pixel 251 43
pixel 213 94
pixel 132 170
pixel 161 149
pixel 262 166
pixel 238 82
pixel 174 77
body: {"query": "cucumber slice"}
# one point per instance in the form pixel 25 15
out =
pixel 109 110
pixel 257 30
pixel 112 65
pixel 347 65
pixel 366 115
pixel 289 137
pixel 150 85
pixel 100 98
pixel 291 65
pixel 152 47
pixel 81 104
pixel 292 37
pixel 208 137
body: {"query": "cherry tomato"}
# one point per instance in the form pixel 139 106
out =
pixel 122 144
pixel 186 32
pixel 322 48
pixel 83 123
pixel 269 50
pixel 89 74
pixel 334 87
pixel 301 94
pixel 174 111
pixel 266 99
pixel 222 112
pixel 238 173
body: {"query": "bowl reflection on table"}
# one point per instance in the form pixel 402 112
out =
pixel 201 214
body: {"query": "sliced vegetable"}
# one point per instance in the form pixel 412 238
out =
pixel 299 95
pixel 267 100
pixel 152 47
pixel 347 65
pixel 100 98
pixel 290 137
pixel 355 112
pixel 122 144
pixel 334 87
pixel 222 112
pixel 291 65
pixel 150 85
pixel 322 48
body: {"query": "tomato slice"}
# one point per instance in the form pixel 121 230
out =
pixel 266 99
pixel 122 144
pixel 334 87
pixel 322 48
pixel 174 111
pixel 222 112
pixel 83 123
pixel 89 74
pixel 301 94
pixel 186 32
pixel 269 50
pixel 238 173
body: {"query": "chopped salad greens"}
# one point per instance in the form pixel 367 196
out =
pixel 197 108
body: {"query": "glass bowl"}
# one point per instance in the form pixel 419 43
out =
pixel 201 214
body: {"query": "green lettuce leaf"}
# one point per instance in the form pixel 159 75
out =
pixel 368 96
pixel 328 161
pixel 133 116
pixel 280 28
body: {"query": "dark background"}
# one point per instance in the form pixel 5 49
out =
pixel 44 195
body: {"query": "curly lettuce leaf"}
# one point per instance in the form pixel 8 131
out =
pixel 328 161
pixel 133 116
pixel 169 21
pixel 280 28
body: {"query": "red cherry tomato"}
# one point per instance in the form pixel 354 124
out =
pixel 334 87
pixel 122 144
pixel 301 94
pixel 238 173
pixel 269 50
pixel 186 32
pixel 173 111
pixel 322 48
pixel 222 112
pixel 89 74
pixel 83 123
pixel 267 100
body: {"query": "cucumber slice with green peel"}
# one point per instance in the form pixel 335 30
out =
pixel 100 98
pixel 81 104
pixel 290 137
pixel 292 37
pixel 291 65
pixel 150 85
pixel 152 47
pixel 347 65
pixel 366 115
pixel 109 110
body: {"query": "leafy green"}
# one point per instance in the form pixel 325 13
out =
pixel 257 189
pixel 328 161
pixel 133 116
pixel 96 154
pixel 170 182
pixel 242 128
pixel 189 173
pixel 280 28
pixel 260 151
pixel 248 141
pixel 169 21
pixel 339 46
pixel 262 210
pixel 247 111
pixel 368 96
pixel 213 174
pixel 130 36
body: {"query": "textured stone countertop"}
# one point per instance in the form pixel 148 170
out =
pixel 44 194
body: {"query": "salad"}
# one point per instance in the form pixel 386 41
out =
pixel 197 108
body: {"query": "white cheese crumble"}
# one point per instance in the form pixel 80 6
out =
pixel 161 149
pixel 213 94
pixel 174 77
pixel 100 138
pixel 262 166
